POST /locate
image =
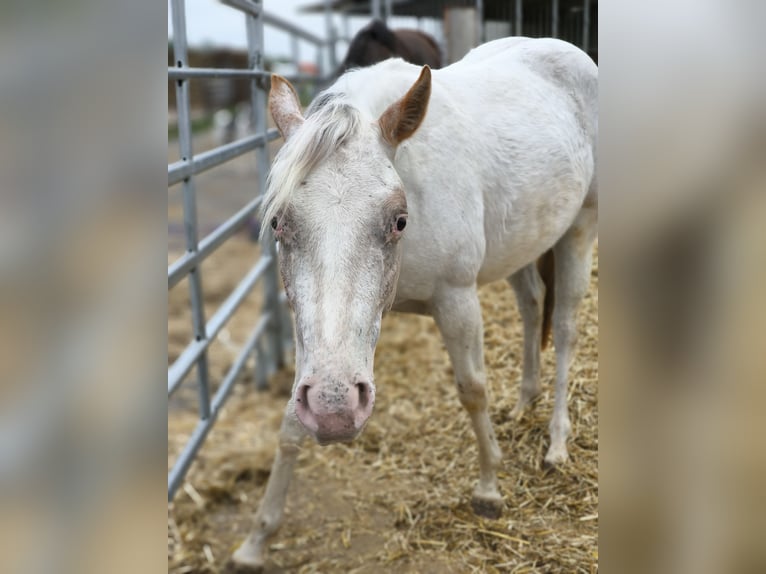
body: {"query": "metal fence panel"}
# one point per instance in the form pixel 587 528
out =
pixel 267 339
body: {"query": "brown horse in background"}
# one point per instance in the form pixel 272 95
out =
pixel 377 42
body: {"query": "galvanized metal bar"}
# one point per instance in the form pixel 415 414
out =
pixel 268 355
pixel 518 17
pixel 247 6
pixel 375 11
pixel 185 459
pixel 261 374
pixel 295 50
pixel 185 168
pixel 555 18
pixel 228 381
pixel 238 295
pixel 196 349
pixel 586 26
pixel 189 73
pixel 346 27
pixel 189 200
pixel 287 26
pixel 331 35
pixel 275 321
pixel 480 20
pixel 184 363
pixel 197 73
pixel 180 267
pixel 210 243
pixel 324 72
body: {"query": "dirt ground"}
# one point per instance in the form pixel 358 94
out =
pixel 398 498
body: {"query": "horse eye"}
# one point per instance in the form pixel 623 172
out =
pixel 274 223
pixel 401 223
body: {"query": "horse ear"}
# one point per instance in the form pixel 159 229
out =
pixel 284 106
pixel 402 118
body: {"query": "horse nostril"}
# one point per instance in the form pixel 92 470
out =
pixel 364 394
pixel 302 396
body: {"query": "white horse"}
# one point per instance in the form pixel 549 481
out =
pixel 405 189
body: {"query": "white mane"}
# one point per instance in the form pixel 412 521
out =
pixel 330 120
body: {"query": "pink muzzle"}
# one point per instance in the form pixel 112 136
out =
pixel 331 410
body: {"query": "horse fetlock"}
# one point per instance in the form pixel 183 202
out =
pixel 520 407
pixel 495 458
pixel 266 524
pixel 495 454
pixel 560 428
pixel 557 455
pixel 530 390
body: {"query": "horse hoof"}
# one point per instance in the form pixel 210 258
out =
pixel 233 567
pixel 487 507
pixel 551 462
pixel 245 561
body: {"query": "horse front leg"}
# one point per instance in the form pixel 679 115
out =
pixel 252 552
pixel 458 316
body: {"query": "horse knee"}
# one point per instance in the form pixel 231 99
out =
pixel 472 394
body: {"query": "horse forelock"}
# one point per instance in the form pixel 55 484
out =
pixel 330 121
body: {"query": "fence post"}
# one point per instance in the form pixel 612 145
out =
pixel 332 36
pixel 185 135
pixel 586 26
pixel 271 336
pixel 269 356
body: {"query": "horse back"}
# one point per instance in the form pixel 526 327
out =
pixel 559 63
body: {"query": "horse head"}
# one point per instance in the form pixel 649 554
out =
pixel 338 209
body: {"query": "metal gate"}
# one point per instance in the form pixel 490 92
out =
pixel 273 328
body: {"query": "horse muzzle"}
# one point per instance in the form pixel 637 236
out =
pixel 331 410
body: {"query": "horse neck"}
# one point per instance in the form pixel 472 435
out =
pixel 371 90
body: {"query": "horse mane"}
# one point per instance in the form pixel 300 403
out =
pixel 330 120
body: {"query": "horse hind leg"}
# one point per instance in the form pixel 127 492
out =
pixel 534 298
pixel 573 256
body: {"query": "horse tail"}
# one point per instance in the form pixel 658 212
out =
pixel 546 266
